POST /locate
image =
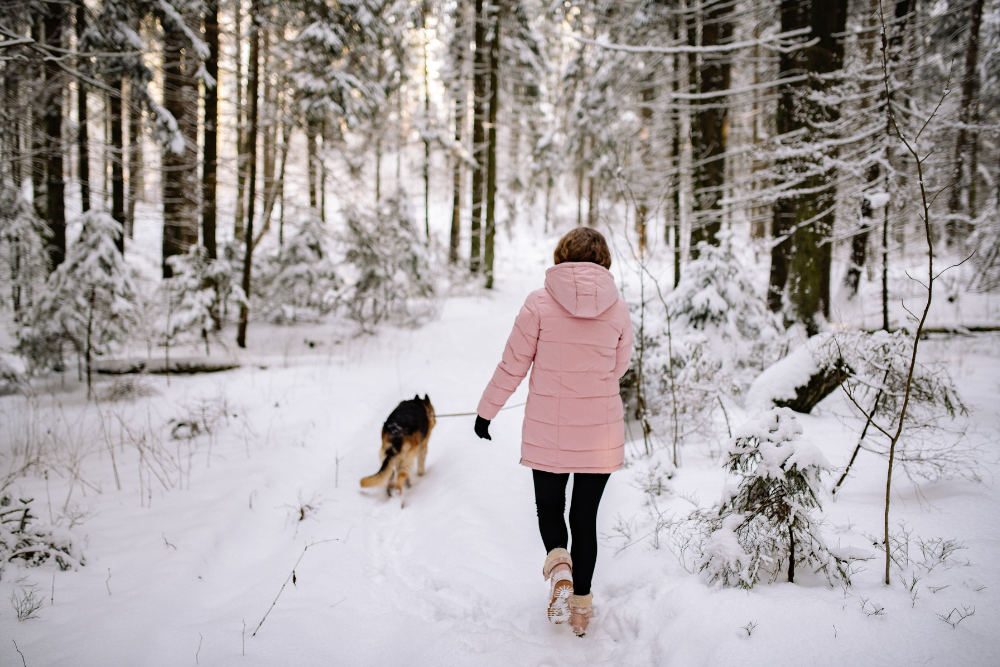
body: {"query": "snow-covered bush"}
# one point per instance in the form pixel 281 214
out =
pixel 21 537
pixel 299 282
pixel 716 298
pixel 767 522
pixel 387 262
pixel 194 296
pixel 702 342
pixel 22 251
pixel 89 301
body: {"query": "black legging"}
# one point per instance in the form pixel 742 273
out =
pixel 550 500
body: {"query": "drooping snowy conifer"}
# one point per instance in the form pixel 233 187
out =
pixel 89 301
pixel 767 524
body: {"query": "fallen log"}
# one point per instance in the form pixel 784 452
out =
pixel 801 380
pixel 182 366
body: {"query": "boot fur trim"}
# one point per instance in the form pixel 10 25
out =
pixel 555 557
pixel 581 603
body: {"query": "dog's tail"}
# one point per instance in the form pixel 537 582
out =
pixel 383 474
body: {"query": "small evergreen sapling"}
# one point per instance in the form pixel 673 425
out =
pixel 89 300
pixel 389 260
pixel 23 258
pixel 768 521
pixel 192 295
pixel 300 281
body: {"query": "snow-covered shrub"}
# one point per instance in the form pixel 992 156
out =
pixel 702 342
pixel 22 538
pixel 12 373
pixel 931 445
pixel 767 522
pixel 194 295
pixel 387 262
pixel 22 251
pixel 299 281
pixel 89 301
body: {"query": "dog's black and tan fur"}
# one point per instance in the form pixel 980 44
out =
pixel 404 440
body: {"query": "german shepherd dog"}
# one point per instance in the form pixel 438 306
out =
pixel 404 439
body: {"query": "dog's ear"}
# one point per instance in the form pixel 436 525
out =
pixel 416 397
pixel 426 400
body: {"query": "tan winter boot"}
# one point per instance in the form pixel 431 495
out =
pixel 558 569
pixel 580 612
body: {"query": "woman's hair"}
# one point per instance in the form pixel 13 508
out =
pixel 583 245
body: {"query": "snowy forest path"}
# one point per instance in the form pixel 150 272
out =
pixel 453 577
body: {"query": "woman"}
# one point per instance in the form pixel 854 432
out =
pixel 577 333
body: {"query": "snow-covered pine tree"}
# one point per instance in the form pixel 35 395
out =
pixel 346 61
pixel 388 262
pixel 195 292
pixel 300 281
pixel 89 301
pixel 703 343
pixel 768 522
pixel 22 251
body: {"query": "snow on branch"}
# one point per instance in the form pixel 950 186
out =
pixel 768 43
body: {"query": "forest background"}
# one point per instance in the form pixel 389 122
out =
pixel 797 194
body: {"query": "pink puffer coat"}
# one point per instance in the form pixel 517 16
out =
pixel 578 334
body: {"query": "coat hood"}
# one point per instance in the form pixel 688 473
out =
pixel 583 288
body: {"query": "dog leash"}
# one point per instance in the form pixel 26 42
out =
pixel 469 414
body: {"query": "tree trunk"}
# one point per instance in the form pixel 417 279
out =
pixel 591 194
pixel 580 169
pixel 135 176
pixel 268 127
pixel 885 269
pixel 459 93
pixel 800 263
pixel 241 152
pixel 322 176
pixel 179 176
pixel 647 95
pixel 491 159
pixel 252 87
pixel 710 126
pixel 791 554
pixel 675 154
pixel 36 139
pixel 479 79
pixel 427 116
pixel 210 151
pixel 117 172
pixel 311 142
pixel 82 142
pixel 960 190
pixel 87 345
pixel 55 185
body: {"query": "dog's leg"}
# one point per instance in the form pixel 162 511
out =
pixel 403 470
pixel 422 456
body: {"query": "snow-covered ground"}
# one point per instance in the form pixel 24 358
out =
pixel 184 561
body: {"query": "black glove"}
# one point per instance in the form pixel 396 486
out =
pixel 483 428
